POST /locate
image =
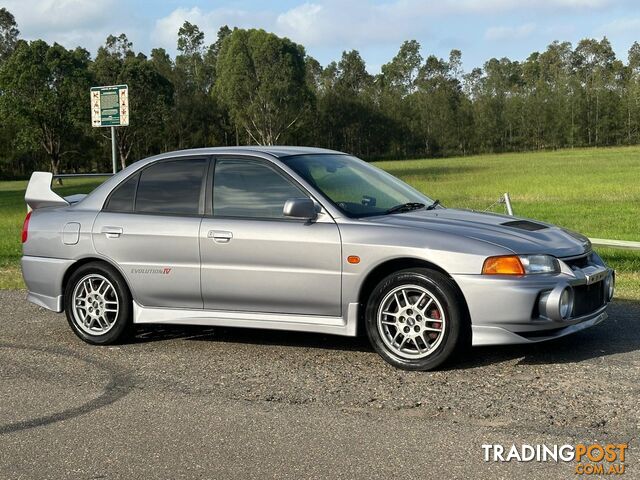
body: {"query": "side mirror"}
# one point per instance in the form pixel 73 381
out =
pixel 300 208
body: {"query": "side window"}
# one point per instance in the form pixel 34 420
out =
pixel 171 187
pixel 121 200
pixel 244 188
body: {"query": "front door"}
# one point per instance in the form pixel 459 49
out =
pixel 149 228
pixel 254 258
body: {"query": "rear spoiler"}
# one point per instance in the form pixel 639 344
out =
pixel 39 193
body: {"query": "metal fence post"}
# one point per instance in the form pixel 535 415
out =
pixel 507 202
pixel 601 242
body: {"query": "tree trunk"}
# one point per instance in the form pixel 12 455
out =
pixel 123 153
pixel 125 144
pixel 628 122
pixel 597 115
pixel 55 166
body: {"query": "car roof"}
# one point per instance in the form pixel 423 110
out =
pixel 96 198
pixel 278 151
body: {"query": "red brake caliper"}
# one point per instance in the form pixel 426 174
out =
pixel 435 315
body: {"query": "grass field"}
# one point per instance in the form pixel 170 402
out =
pixel 12 213
pixel 593 191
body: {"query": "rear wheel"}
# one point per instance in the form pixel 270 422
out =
pixel 414 319
pixel 98 304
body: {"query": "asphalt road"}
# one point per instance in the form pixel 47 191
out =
pixel 232 403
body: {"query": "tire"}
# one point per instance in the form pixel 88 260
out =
pixel 103 306
pixel 413 331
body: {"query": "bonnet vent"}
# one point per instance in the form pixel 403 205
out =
pixel 525 225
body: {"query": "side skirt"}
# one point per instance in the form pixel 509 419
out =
pixel 272 321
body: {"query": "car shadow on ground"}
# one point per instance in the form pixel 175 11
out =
pixel 620 333
pixel 254 336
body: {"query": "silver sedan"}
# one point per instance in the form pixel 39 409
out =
pixel 302 239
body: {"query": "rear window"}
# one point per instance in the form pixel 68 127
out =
pixel 122 198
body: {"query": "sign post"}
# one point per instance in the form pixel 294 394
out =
pixel 110 108
pixel 114 161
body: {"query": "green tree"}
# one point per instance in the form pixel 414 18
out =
pixel 402 71
pixel 8 128
pixel 262 80
pixel 554 93
pixel 150 97
pixel 437 103
pixel 351 117
pixel 45 88
pixel 593 64
pixel 8 34
pixel 162 62
pixel 198 119
pixel 632 95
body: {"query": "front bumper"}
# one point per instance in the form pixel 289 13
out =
pixel 506 309
pixel 486 335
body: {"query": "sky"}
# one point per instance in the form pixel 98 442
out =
pixel 481 29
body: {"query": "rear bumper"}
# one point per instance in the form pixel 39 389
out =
pixel 43 277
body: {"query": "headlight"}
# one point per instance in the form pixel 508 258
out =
pixel 520 265
pixel 539 264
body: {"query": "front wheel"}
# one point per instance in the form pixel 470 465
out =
pixel 414 319
pixel 98 304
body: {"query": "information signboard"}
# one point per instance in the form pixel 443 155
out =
pixel 110 106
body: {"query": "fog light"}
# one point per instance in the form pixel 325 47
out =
pixel 610 286
pixel 556 304
pixel 566 303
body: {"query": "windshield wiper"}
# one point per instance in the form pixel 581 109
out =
pixel 405 207
pixel 435 203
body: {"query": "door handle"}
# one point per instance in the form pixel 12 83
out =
pixel 220 236
pixel 112 232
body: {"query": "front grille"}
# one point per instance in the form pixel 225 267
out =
pixel 577 262
pixel 588 298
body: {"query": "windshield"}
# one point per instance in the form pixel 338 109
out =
pixel 355 187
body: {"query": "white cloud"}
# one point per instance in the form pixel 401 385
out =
pixel 494 6
pixel 59 14
pixel 317 24
pixel 510 33
pixel 71 23
pixel 357 23
pixel 165 32
pixel 349 24
pixel 363 24
pixel 621 25
pixel 411 8
pixel 302 21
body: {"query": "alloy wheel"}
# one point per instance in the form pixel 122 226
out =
pixel 95 304
pixel 411 321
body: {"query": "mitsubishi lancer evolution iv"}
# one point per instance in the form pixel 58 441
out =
pixel 303 239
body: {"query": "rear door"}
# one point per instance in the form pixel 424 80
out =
pixel 255 259
pixel 149 227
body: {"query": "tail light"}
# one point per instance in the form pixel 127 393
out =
pixel 25 227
